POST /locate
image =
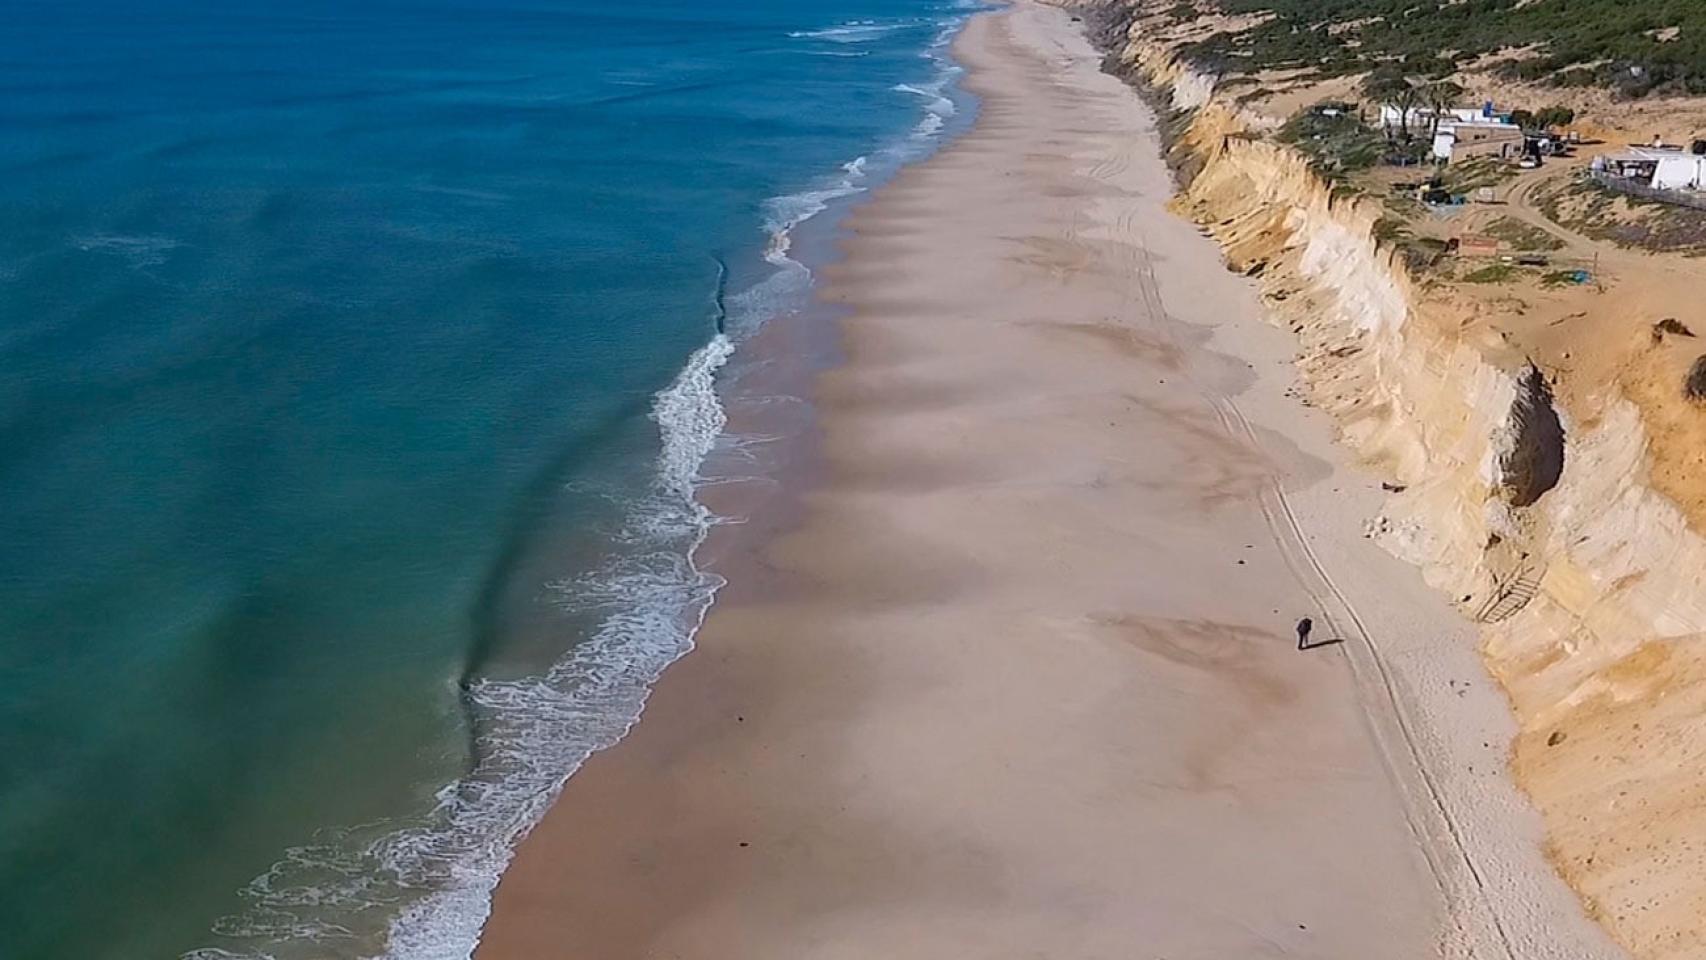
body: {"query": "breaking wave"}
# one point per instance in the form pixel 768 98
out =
pixel 854 31
pixel 422 889
pixel 434 877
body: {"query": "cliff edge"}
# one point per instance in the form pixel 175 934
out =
pixel 1542 453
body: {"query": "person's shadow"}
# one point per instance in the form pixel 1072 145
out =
pixel 1304 628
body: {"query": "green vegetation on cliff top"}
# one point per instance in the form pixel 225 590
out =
pixel 1635 47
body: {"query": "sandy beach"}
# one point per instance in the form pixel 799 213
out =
pixel 1018 678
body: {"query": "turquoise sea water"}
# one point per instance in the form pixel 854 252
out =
pixel 357 360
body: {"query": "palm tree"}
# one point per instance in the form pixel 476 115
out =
pixel 1393 89
pixel 1441 95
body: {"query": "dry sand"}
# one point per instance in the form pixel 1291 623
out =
pixel 1019 679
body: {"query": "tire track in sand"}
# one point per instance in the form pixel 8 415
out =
pixel 1430 820
pixel 1438 834
pixel 1474 923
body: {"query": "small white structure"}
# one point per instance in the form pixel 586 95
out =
pixel 1678 170
pixel 1444 139
pixel 1458 140
pixel 1421 118
pixel 1415 118
pixel 1663 168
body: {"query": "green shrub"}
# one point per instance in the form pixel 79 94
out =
pixel 1336 144
pixel 1615 36
pixel 1523 236
pixel 1491 273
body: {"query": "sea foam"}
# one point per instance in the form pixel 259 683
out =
pixel 854 31
pixel 531 734
pixel 434 877
pixel 542 729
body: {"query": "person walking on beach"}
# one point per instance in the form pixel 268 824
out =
pixel 1303 628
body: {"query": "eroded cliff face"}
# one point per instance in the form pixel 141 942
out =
pixel 1535 515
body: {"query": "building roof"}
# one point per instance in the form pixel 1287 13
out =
pixel 1488 124
pixel 1648 154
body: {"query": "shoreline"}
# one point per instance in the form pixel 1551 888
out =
pixel 778 357
pixel 780 792
pixel 741 478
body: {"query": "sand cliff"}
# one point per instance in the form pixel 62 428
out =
pixel 1525 495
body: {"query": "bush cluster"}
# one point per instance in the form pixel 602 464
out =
pixel 1635 48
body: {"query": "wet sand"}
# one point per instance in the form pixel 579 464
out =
pixel 1018 679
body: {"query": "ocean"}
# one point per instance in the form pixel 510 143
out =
pixel 358 363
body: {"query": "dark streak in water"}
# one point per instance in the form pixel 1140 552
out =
pixel 719 297
pixel 532 508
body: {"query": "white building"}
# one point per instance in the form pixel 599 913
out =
pixel 1665 168
pixel 1459 140
pixel 1421 118
pixel 1416 118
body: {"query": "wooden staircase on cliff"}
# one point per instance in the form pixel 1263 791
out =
pixel 1511 596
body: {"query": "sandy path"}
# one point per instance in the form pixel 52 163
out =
pixel 1021 681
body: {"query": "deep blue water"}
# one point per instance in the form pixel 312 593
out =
pixel 356 361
